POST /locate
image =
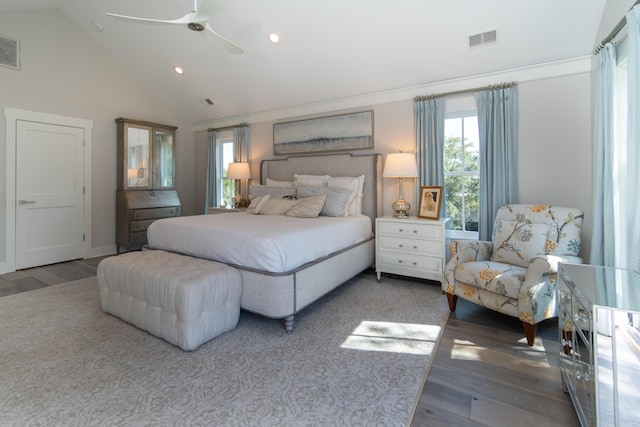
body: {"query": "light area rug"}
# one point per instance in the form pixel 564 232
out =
pixel 357 357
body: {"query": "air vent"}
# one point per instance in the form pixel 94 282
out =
pixel 482 39
pixel 207 102
pixel 9 52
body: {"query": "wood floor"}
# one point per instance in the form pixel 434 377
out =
pixel 483 373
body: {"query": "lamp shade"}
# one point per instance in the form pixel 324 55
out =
pixel 400 165
pixel 239 170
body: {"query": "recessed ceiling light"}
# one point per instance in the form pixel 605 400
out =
pixel 178 70
pixel 274 38
pixel 98 26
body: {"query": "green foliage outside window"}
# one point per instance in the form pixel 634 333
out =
pixel 462 184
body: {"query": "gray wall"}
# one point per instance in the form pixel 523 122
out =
pixel 64 72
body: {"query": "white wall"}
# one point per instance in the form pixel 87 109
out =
pixel 64 72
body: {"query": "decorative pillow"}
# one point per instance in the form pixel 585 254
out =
pixel 338 199
pixel 274 183
pixel 275 192
pixel 257 204
pixel 517 242
pixel 308 207
pixel 311 180
pixel 275 206
pixel 354 184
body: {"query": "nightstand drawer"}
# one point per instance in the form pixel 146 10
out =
pixel 411 229
pixel 410 262
pixel 412 246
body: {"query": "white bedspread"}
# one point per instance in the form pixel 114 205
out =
pixel 272 243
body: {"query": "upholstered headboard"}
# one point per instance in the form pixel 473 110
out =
pixel 369 165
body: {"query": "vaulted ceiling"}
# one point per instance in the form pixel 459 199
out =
pixel 329 49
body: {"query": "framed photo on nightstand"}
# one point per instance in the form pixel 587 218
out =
pixel 430 202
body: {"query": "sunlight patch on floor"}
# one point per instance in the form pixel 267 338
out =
pixel 409 338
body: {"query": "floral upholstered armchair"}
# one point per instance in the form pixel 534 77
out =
pixel 516 273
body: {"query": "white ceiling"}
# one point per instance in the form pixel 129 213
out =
pixel 330 49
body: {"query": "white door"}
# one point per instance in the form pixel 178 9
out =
pixel 49 193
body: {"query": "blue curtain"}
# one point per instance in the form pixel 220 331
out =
pixel 603 232
pixel 211 196
pixel 429 124
pixel 242 146
pixel 633 136
pixel 498 132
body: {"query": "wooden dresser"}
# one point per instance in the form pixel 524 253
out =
pixel 146 171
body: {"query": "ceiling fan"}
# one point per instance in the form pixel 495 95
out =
pixel 198 20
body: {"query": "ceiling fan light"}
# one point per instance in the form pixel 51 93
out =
pixel 274 38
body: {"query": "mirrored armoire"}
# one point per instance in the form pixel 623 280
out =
pixel 146 180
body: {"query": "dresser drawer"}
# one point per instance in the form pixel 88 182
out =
pixel 397 260
pixel 421 231
pixel 140 214
pixel 141 225
pixel 414 246
pixel 138 238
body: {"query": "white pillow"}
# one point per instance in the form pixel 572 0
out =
pixel 338 199
pixel 274 183
pixel 311 180
pixel 275 192
pixel 275 206
pixel 308 207
pixel 517 242
pixel 257 204
pixel 355 184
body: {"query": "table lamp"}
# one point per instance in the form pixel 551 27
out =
pixel 239 170
pixel 400 165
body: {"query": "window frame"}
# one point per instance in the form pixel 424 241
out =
pixel 459 234
pixel 223 138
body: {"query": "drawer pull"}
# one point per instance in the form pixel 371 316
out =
pixel 400 261
pixel 415 247
pixel 400 246
pixel 415 231
pixel 400 230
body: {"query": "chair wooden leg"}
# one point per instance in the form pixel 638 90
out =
pixel 529 332
pixel 452 299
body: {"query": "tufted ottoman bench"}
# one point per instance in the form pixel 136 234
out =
pixel 183 300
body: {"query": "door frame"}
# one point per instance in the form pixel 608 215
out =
pixel 12 115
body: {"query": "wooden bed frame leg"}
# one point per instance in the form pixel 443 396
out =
pixel 288 324
pixel 529 332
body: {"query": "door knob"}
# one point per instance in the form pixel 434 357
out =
pixel 26 202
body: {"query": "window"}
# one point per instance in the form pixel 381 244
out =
pixel 225 155
pixel 462 174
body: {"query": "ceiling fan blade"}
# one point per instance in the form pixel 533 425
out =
pixel 184 20
pixel 222 41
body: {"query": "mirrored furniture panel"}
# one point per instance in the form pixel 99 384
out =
pixel 599 332
pixel 146 179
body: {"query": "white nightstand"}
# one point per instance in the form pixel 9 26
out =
pixel 411 247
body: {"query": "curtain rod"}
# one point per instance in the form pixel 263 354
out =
pixel 621 24
pixel 476 89
pixel 241 125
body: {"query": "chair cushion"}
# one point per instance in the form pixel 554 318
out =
pixel 565 224
pixel 517 242
pixel 496 277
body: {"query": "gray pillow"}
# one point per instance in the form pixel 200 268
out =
pixel 337 202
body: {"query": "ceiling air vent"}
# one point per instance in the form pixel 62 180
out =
pixel 207 102
pixel 9 52
pixel 482 39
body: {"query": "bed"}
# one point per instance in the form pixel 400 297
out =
pixel 281 280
